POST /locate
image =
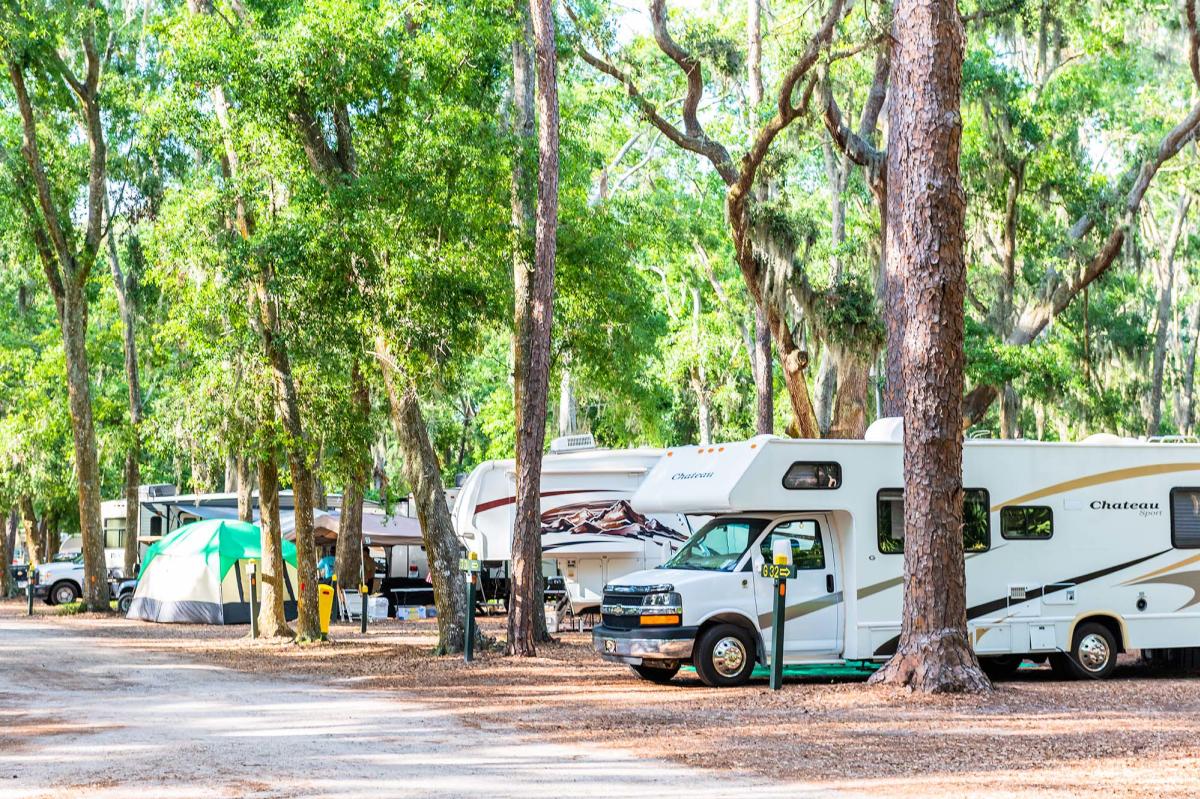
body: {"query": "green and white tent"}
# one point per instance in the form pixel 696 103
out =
pixel 198 575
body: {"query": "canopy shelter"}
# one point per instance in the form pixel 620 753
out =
pixel 383 530
pixel 198 574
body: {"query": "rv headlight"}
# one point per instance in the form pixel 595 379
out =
pixel 663 600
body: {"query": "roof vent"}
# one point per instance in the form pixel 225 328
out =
pixel 889 428
pixel 572 443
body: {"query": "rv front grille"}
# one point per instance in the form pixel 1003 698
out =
pixel 628 620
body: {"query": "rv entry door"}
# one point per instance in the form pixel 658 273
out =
pixel 814 603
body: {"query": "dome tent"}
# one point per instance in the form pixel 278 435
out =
pixel 198 574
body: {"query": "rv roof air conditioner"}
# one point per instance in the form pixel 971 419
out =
pixel 888 428
pixel 572 443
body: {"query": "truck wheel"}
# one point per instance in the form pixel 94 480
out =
pixel 124 602
pixel 1000 667
pixel 1094 652
pixel 724 656
pixel 64 593
pixel 659 674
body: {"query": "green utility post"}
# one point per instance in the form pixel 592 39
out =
pixel 470 566
pixel 780 571
pixel 362 585
pixel 252 568
pixel 29 589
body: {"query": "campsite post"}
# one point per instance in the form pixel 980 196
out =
pixel 470 565
pixel 29 590
pixel 780 570
pixel 362 585
pixel 250 567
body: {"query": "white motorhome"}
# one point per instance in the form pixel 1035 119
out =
pixel 1074 552
pixel 590 535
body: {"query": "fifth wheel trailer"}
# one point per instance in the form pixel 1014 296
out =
pixel 1074 552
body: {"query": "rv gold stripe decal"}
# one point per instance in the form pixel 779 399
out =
pixel 1163 570
pixel 1100 478
pixel 875 588
pixel 802 608
pixel 889 647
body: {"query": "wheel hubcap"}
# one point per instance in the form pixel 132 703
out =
pixel 1093 652
pixel 65 595
pixel 729 656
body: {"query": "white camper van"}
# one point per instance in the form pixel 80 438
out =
pixel 590 534
pixel 1074 552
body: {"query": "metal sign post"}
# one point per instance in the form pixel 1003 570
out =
pixel 470 567
pixel 29 590
pixel 780 571
pixel 362 587
pixel 253 570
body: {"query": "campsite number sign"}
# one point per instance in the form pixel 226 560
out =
pixel 468 564
pixel 778 571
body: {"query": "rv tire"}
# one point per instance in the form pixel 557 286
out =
pixel 1093 652
pixel 658 674
pixel 724 656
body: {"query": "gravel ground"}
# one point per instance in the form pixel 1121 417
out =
pixel 1135 735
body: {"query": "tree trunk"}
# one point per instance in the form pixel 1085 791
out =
pixel 133 454
pixel 568 410
pixel 827 382
pixel 424 477
pixel 526 621
pixel 244 467
pixel 1010 413
pixel 7 542
pixel 764 375
pixel 348 556
pixel 850 406
pixel 272 588
pixel 73 313
pixel 926 210
pixel 1165 274
pixel 29 531
pixel 51 536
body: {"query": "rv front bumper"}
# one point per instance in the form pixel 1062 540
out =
pixel 647 643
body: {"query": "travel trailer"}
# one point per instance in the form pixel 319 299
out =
pixel 1074 553
pixel 590 534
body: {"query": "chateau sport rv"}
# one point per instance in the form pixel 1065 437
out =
pixel 1074 552
pixel 590 534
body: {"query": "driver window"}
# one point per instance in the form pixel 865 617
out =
pixel 804 535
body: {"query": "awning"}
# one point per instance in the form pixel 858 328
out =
pixel 382 530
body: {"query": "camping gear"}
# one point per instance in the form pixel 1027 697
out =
pixel 198 574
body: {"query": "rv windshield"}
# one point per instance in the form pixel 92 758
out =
pixel 718 546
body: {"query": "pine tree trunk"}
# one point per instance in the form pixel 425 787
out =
pixel 348 556
pixel 272 591
pixel 926 210
pixel 424 477
pixel 526 619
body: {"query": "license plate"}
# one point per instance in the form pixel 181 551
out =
pixel 610 645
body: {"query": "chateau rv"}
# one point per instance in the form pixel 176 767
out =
pixel 1074 553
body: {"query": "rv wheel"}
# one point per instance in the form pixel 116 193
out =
pixel 1094 652
pixel 659 674
pixel 724 656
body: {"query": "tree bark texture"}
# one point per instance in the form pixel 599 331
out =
pixel 348 557
pixel 526 624
pixel 424 477
pixel 244 467
pixel 31 531
pixel 8 542
pixel 764 375
pixel 926 211
pixel 272 622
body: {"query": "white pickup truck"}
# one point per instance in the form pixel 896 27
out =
pixel 60 582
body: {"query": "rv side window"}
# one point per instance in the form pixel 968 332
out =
pixel 804 475
pixel 1185 518
pixel 976 520
pixel 805 539
pixel 1019 522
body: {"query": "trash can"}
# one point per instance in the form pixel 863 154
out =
pixel 324 606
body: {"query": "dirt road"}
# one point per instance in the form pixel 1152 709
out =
pixel 99 716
